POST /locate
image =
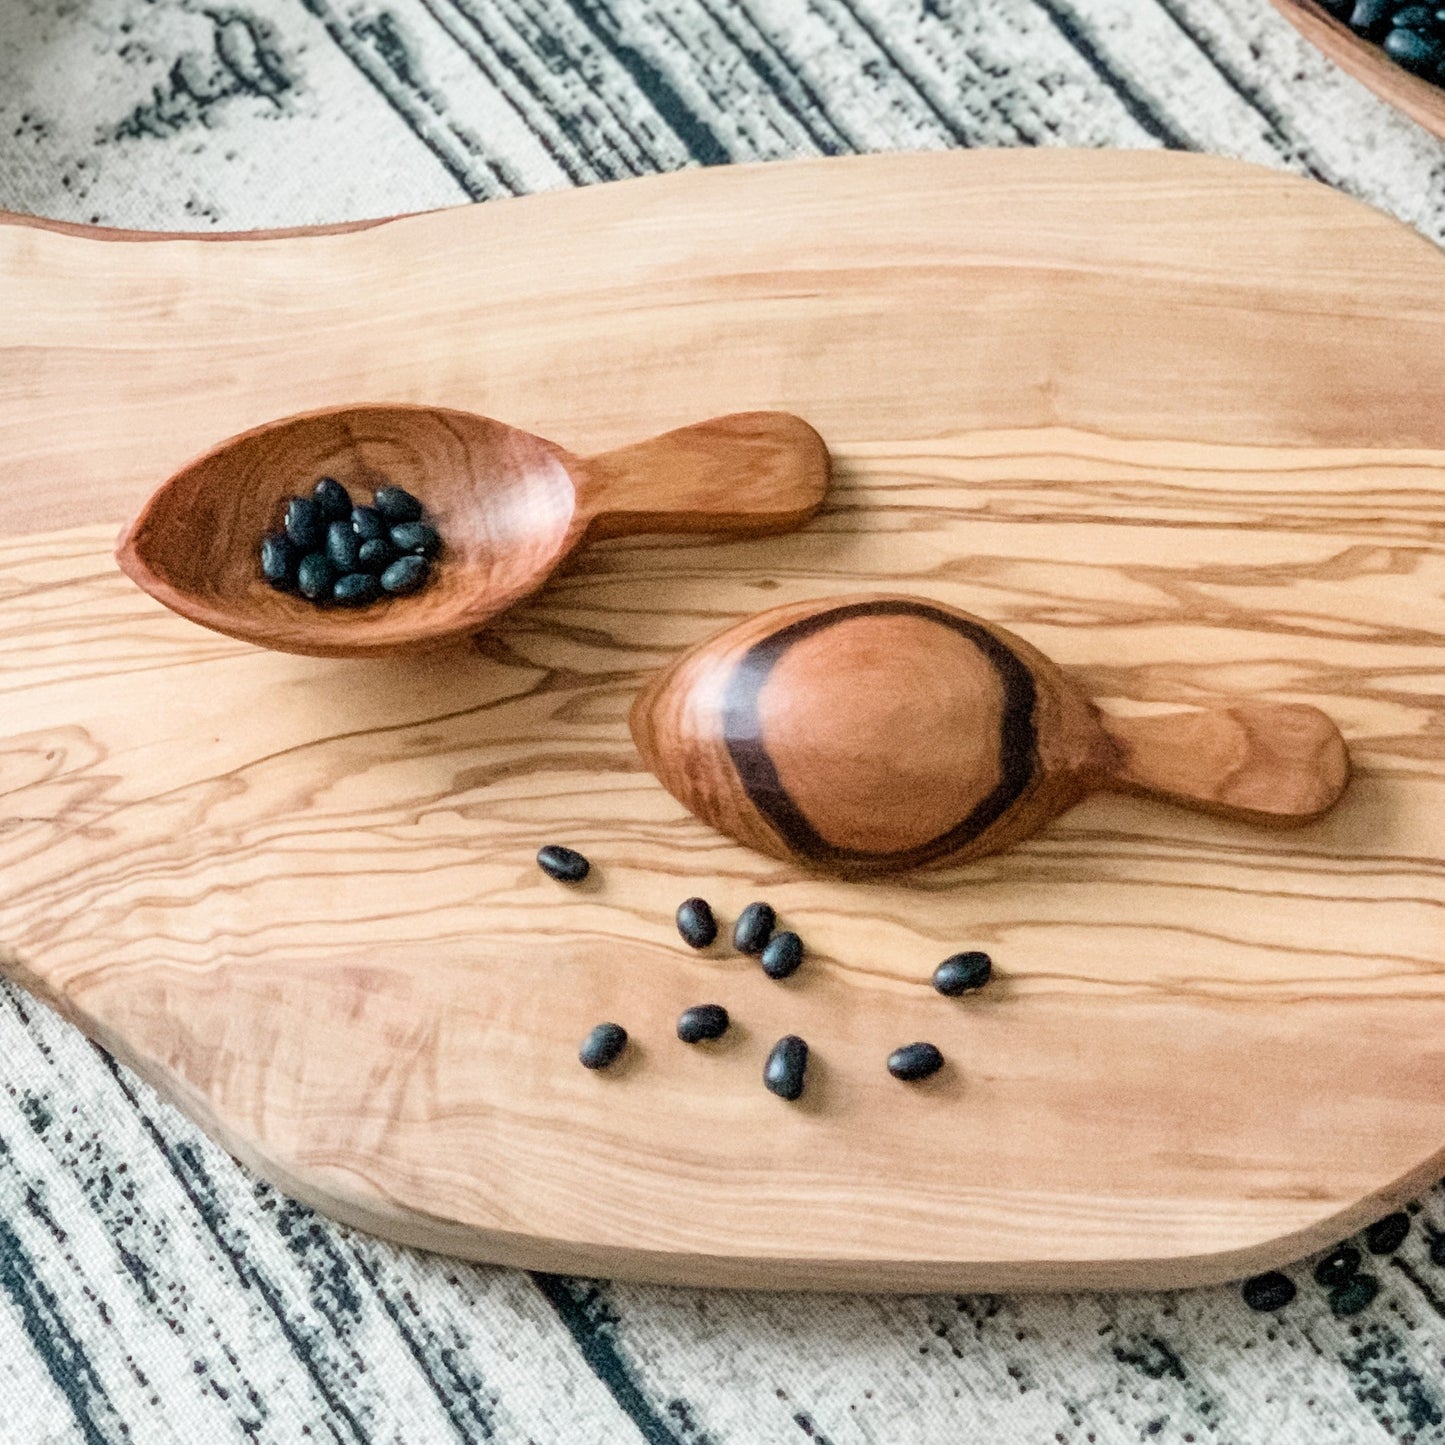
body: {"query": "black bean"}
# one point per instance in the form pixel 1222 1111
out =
pixel 418 537
pixel 914 1061
pixel 1337 1266
pixel 397 505
pixel 368 523
pixel 754 927
pixel 1354 1295
pixel 406 574
pixel 787 1064
pixel 1437 1249
pixel 782 955
pixel 343 546
pixel 1416 17
pixel 1338 8
pixel 1413 51
pixel 1371 18
pixel 1268 1292
pixel 333 499
pixel 704 1021
pixel 355 589
pixel 1386 1235
pixel 603 1046
pixel 376 555
pixel 963 973
pixel 314 576
pixel 304 524
pixel 696 923
pixel 566 865
pixel 278 561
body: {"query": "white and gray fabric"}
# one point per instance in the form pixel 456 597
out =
pixel 151 1290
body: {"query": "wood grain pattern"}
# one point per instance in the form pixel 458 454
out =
pixel 510 507
pixel 299 893
pixel 871 733
pixel 1421 100
pixel 1276 764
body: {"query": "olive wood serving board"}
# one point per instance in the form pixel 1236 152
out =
pixel 1173 420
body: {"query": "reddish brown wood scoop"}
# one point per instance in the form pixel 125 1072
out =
pixel 876 733
pixel 509 506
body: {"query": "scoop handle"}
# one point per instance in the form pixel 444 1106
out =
pixel 750 473
pixel 1273 763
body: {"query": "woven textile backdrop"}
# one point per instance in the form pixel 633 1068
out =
pixel 150 1289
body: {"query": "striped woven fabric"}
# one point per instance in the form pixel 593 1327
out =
pixel 153 1291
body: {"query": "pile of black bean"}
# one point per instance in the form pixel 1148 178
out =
pixel 1412 35
pixel 779 955
pixel 336 553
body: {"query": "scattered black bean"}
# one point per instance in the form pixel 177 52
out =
pixel 914 1061
pixel 1268 1292
pixel 314 576
pixel 1352 1296
pixel 603 1046
pixel 754 927
pixel 343 546
pixel 782 955
pixel 368 523
pixel 406 574
pixel 278 561
pixel 376 555
pixel 1337 1266
pixel 1437 1249
pixel 566 865
pixel 304 523
pixel 1386 1235
pixel 397 505
pixel 333 499
pixel 704 1021
pixel 963 973
pixel 355 589
pixel 787 1064
pixel 418 537
pixel 696 923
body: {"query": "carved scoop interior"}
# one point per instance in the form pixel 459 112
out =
pixel 879 733
pixel 509 506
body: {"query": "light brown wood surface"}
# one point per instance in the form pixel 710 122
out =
pixel 870 733
pixel 510 507
pixel 1420 99
pixel 1174 421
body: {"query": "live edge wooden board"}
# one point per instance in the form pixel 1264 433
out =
pixel 1174 421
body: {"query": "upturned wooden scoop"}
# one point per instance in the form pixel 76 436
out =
pixel 510 506
pixel 878 733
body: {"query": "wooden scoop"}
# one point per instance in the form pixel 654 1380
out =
pixel 877 733
pixel 509 506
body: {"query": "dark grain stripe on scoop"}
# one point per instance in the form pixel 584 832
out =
pixel 742 732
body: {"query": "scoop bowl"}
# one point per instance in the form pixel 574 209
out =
pixel 509 506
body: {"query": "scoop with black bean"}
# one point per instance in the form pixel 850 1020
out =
pixel 334 552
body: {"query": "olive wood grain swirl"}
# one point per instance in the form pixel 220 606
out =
pixel 510 506
pixel 300 896
pixel 876 733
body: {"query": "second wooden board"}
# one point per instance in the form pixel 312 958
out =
pixel 1141 410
